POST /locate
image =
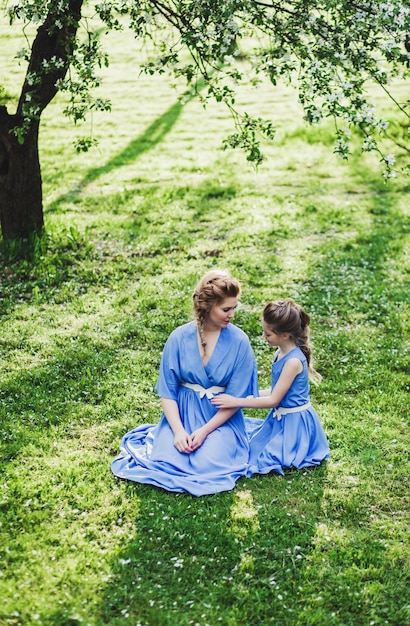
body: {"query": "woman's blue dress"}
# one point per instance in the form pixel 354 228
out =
pixel 294 439
pixel 148 454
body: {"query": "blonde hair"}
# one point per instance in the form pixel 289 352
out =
pixel 212 289
pixel 286 316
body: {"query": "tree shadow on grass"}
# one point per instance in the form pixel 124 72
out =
pixel 351 578
pixel 214 559
pixel 254 545
pixel 153 135
pixel 162 576
pixel 352 283
pixel 60 394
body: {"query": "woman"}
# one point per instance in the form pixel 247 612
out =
pixel 196 447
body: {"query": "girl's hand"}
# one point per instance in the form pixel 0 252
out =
pixel 198 437
pixel 225 401
pixel 183 442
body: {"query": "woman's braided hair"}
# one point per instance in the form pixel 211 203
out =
pixel 286 316
pixel 213 288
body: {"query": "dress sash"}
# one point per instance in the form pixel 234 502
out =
pixel 209 392
pixel 280 411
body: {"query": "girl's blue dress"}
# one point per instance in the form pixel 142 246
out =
pixel 285 440
pixel 148 454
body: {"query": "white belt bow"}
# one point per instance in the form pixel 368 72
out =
pixel 209 392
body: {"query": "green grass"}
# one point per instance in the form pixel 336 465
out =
pixel 130 228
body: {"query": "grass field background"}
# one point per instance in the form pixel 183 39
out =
pixel 131 226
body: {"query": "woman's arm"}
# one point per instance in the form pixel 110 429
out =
pixel 182 439
pixel 291 369
pixel 200 434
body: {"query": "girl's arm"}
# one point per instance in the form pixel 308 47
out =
pixel 182 439
pixel 291 369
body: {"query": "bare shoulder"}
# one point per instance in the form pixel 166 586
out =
pixel 293 366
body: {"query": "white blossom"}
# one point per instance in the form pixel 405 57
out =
pixel 390 159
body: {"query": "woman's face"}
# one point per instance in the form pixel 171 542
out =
pixel 221 314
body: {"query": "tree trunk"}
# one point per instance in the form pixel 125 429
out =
pixel 21 196
pixel 21 204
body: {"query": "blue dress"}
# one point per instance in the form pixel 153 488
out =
pixel 288 439
pixel 148 454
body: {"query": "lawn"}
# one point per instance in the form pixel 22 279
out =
pixel 131 226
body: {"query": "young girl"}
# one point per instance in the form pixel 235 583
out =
pixel 291 435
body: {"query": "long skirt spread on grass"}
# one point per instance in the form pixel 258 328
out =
pixel 148 454
pixel 292 435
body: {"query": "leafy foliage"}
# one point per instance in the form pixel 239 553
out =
pixel 331 51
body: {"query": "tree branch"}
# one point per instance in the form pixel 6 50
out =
pixel 50 56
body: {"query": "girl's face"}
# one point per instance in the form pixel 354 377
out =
pixel 221 314
pixel 273 338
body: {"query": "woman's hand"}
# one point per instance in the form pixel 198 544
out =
pixel 198 437
pixel 225 401
pixel 183 442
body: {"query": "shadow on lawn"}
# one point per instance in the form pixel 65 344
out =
pixel 243 567
pixel 75 378
pixel 153 135
pixel 264 564
pixel 352 579
pixel 215 559
pixel 239 554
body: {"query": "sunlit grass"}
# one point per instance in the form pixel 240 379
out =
pixel 130 228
